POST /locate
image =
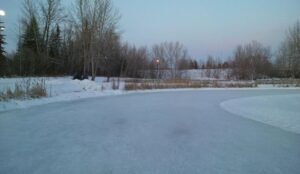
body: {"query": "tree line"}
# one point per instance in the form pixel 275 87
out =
pixel 88 43
pixel 254 60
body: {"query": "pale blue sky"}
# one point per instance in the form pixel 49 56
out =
pixel 205 27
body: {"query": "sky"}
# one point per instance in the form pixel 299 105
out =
pixel 204 27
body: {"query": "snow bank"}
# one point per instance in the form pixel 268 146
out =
pixel 194 74
pixel 61 89
pixel 206 74
pixel 66 89
pixel 282 111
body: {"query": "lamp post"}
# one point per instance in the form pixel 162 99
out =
pixel 157 61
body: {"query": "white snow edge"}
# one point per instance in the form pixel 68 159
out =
pixel 65 89
pixel 281 111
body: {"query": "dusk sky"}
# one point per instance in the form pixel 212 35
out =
pixel 205 27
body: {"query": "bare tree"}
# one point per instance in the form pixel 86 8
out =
pixel 110 49
pixel 288 58
pixel 210 66
pixel 51 14
pixel 134 60
pixel 96 18
pixel 29 10
pixel 252 61
pixel 171 53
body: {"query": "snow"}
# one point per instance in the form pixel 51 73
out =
pixel 166 132
pixel 61 89
pixel 206 74
pixel 282 111
pixel 195 74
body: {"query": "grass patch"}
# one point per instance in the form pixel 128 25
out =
pixel 25 89
pixel 280 82
pixel 181 84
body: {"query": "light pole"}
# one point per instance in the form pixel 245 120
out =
pixel 157 61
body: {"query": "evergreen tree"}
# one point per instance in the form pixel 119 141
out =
pixel 55 43
pixel 31 48
pixel 2 52
pixel 54 51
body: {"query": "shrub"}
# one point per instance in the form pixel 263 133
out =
pixel 115 85
pixel 175 84
pixel 19 92
pixel 24 89
pixel 38 89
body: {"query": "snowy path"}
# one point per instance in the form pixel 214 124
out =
pixel 168 133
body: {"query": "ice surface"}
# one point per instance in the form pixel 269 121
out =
pixel 153 133
pixel 281 110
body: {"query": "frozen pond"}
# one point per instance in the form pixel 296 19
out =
pixel 154 133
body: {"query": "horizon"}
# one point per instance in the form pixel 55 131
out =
pixel 203 27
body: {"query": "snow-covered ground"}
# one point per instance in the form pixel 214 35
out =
pixel 166 132
pixel 65 89
pixel 61 89
pixel 206 74
pixel 196 74
pixel 281 110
